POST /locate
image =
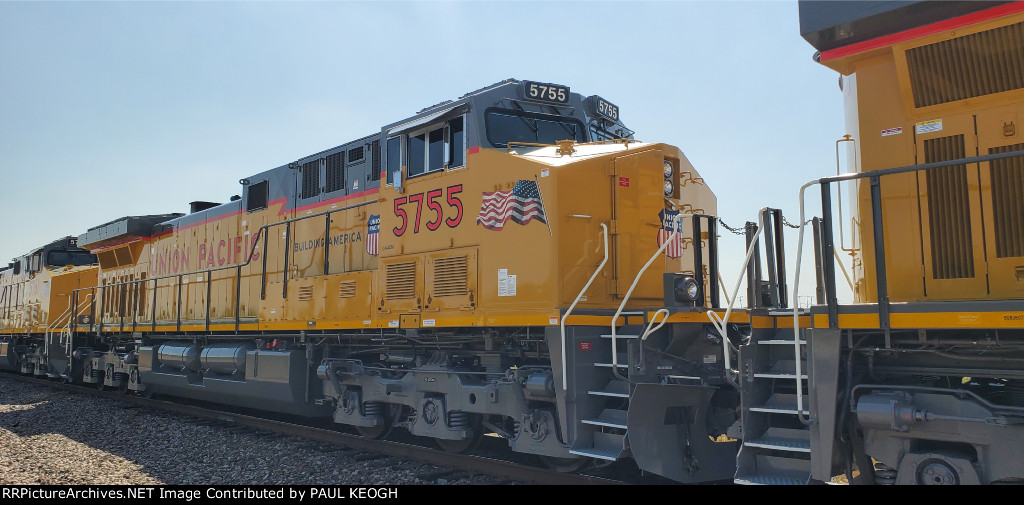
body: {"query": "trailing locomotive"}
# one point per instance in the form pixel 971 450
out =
pixel 919 381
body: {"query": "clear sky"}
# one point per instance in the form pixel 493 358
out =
pixel 110 109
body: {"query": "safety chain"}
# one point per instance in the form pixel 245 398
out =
pixel 787 223
pixel 736 231
pixel 741 231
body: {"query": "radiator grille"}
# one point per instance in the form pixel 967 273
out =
pixel 310 179
pixel 335 172
pixel 347 289
pixel 949 214
pixel 375 168
pixel 400 281
pixel 450 276
pixel 355 154
pixel 1008 202
pixel 979 64
pixel 305 293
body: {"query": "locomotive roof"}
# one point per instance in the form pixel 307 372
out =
pixel 508 94
pixel 828 25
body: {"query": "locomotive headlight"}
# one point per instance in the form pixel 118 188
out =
pixel 668 168
pixel 669 187
pixel 682 290
pixel 692 290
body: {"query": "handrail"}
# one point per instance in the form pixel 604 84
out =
pixel 262 232
pixel 721 323
pixel 67 329
pixel 649 330
pixel 561 323
pixel 54 324
pixel 875 177
pixel 677 223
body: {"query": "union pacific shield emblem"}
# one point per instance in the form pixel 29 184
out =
pixel 675 247
pixel 372 234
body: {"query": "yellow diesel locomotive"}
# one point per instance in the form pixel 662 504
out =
pixel 513 262
pixel 918 381
pixel 427 276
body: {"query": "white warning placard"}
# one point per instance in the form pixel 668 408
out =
pixel 934 125
pixel 506 283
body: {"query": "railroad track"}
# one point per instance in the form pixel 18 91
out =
pixel 457 462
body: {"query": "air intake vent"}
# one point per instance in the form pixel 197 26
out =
pixel 335 172
pixel 400 281
pixel 375 169
pixel 949 214
pixel 310 179
pixel 450 276
pixel 305 293
pixel 1008 203
pixel 973 65
pixel 347 289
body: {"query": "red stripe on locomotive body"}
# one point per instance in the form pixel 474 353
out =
pixel 921 31
pixel 282 212
pixel 367 192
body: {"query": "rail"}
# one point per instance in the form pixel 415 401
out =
pixel 405 450
pixel 262 233
pixel 561 322
pixel 721 323
pixel 677 222
pixel 825 247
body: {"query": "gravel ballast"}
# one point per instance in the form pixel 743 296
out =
pixel 51 436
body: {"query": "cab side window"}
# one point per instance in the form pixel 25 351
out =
pixel 436 147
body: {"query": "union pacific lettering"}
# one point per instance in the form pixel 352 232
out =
pixel 229 251
pixel 340 239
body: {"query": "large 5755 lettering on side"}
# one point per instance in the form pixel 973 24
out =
pixel 430 197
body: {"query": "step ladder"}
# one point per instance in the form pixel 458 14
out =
pixel 776 444
pixel 603 435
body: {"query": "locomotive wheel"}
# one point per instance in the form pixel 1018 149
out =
pixel 465 444
pixel 382 431
pixel 565 465
pixel 123 388
pixel 375 432
pixel 461 446
pixel 100 386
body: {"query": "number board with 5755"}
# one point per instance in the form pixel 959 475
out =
pixel 597 106
pixel 545 92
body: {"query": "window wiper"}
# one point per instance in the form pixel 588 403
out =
pixel 568 127
pixel 530 123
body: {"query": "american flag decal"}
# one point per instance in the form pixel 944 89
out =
pixel 522 205
pixel 372 234
pixel 675 247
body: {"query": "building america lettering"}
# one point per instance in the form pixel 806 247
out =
pixel 340 239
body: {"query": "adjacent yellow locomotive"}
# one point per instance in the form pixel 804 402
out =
pixel 920 380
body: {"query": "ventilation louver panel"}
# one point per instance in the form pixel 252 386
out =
pixel 450 276
pixel 979 64
pixel 1008 203
pixel 355 155
pixel 375 168
pixel 335 172
pixel 347 289
pixel 305 293
pixel 949 213
pixel 400 283
pixel 310 179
